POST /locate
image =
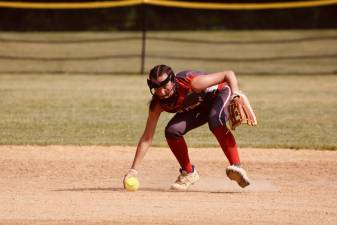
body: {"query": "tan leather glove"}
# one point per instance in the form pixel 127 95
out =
pixel 240 111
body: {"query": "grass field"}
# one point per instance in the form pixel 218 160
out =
pixel 81 95
pixel 40 106
pixel 292 111
pixel 246 52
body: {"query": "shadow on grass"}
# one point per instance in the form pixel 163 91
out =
pixel 154 56
pixel 169 39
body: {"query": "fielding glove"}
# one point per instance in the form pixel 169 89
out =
pixel 240 111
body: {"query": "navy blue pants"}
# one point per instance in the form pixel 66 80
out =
pixel 213 112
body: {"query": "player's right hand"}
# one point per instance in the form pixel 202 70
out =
pixel 130 173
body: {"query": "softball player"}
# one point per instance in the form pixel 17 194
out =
pixel 196 98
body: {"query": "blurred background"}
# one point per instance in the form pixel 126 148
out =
pixel 132 37
pixel 284 53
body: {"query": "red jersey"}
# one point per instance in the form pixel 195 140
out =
pixel 184 98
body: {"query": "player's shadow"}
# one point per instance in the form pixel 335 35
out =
pixel 145 189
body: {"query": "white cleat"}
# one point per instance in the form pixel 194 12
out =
pixel 238 174
pixel 185 180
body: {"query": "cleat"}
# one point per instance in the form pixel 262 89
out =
pixel 238 174
pixel 185 180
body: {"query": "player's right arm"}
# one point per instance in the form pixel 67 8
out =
pixel 147 137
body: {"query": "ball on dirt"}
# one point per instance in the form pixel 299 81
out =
pixel 132 184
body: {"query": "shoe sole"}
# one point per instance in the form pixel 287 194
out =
pixel 236 176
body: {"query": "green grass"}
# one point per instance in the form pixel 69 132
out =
pixel 39 106
pixel 246 52
pixel 292 111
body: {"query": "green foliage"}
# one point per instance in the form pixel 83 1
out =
pixel 292 111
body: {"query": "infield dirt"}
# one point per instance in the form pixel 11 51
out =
pixel 83 185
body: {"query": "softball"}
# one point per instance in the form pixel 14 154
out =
pixel 132 184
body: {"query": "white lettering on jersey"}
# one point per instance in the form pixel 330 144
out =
pixel 211 88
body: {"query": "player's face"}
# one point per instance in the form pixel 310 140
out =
pixel 166 90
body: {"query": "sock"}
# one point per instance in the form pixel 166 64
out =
pixel 228 144
pixel 179 148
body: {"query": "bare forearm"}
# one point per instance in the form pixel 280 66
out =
pixel 230 79
pixel 142 148
pixel 147 137
pixel 200 83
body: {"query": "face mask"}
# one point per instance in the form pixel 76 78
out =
pixel 153 86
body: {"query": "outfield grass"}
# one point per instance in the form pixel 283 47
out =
pixel 247 52
pixel 292 111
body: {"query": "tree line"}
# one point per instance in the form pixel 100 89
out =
pixel 162 18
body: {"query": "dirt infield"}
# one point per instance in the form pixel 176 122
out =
pixel 82 185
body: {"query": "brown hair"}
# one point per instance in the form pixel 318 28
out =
pixel 159 70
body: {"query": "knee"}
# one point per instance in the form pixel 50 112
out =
pixel 215 123
pixel 222 129
pixel 173 131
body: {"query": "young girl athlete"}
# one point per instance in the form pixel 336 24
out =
pixel 196 98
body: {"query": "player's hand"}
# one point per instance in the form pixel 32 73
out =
pixel 130 173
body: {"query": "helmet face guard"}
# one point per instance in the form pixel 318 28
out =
pixel 153 86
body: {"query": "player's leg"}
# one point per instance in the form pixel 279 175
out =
pixel 217 124
pixel 179 125
pixel 175 130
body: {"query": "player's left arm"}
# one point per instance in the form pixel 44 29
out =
pixel 200 83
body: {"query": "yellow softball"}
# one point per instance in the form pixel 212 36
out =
pixel 132 184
